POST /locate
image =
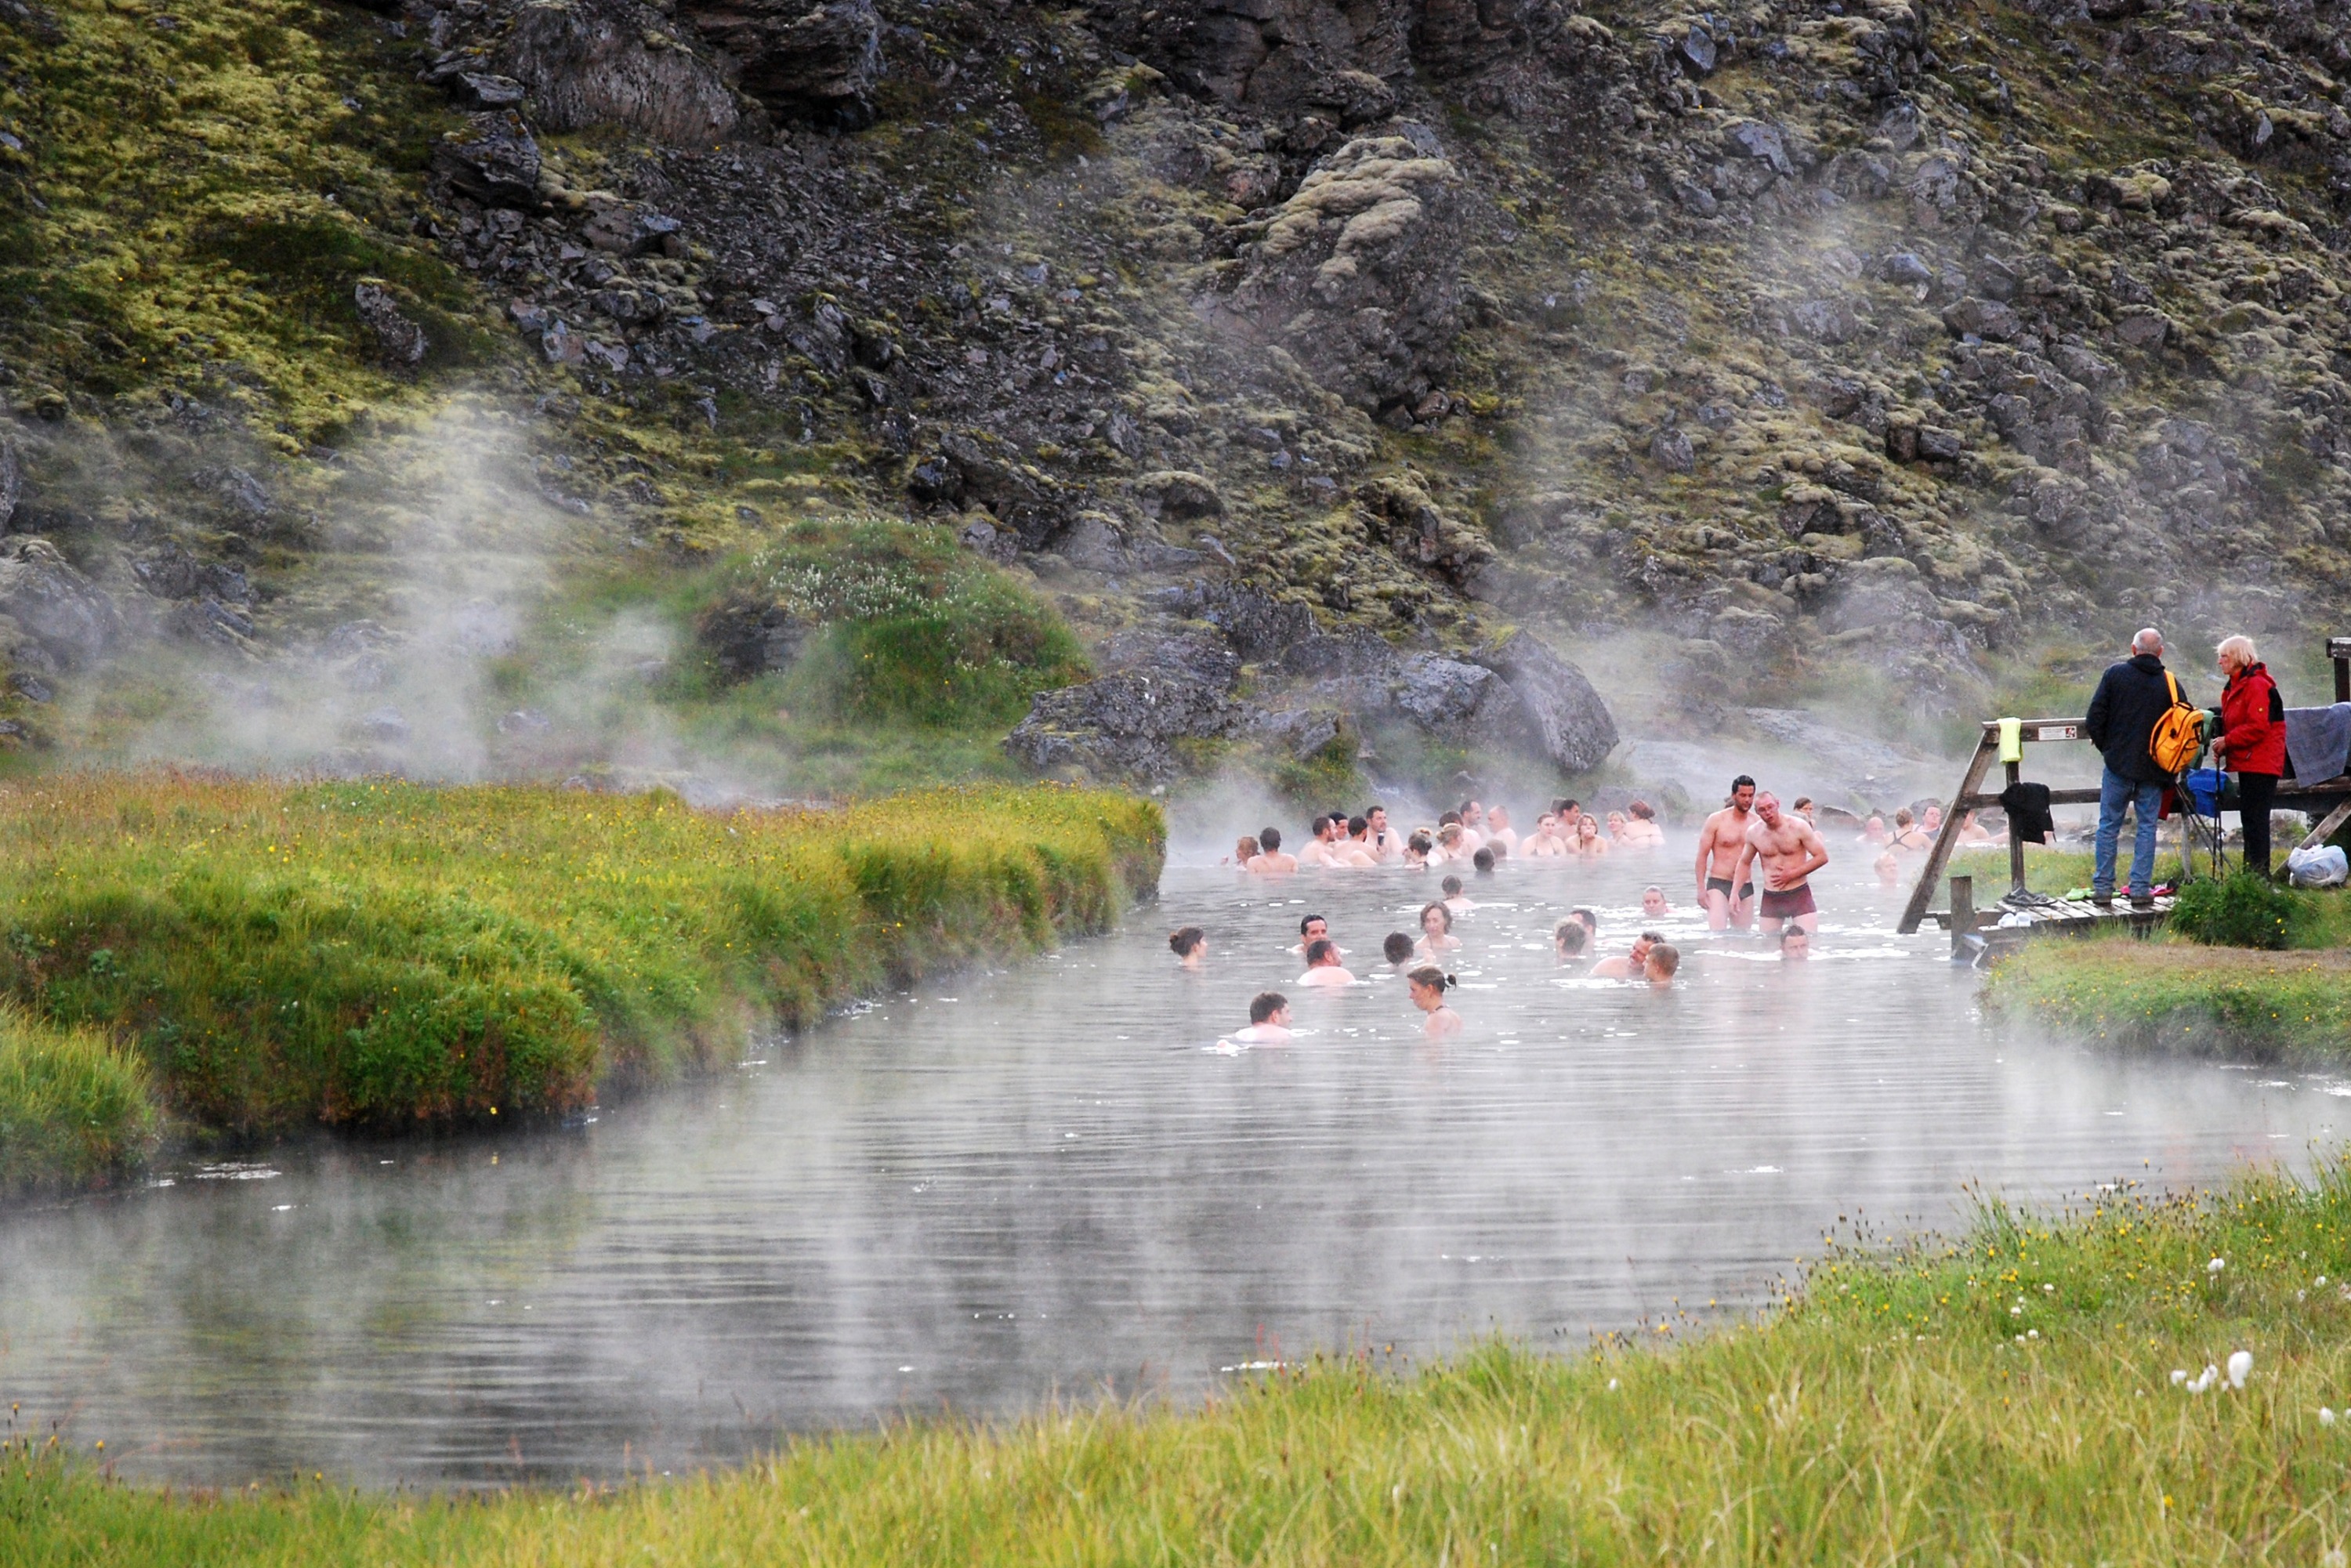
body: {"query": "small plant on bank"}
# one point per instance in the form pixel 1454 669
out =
pixel 73 1107
pixel 2245 911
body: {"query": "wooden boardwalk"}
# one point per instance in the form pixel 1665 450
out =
pixel 2001 926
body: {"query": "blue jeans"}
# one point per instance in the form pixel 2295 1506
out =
pixel 2114 792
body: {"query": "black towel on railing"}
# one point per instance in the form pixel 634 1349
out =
pixel 2027 806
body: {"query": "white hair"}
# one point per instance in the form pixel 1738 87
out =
pixel 2148 640
pixel 2240 646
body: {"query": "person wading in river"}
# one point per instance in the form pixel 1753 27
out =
pixel 1790 850
pixel 1270 861
pixel 1721 847
pixel 1323 966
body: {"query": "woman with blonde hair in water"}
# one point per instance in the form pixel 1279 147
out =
pixel 1429 985
pixel 1588 842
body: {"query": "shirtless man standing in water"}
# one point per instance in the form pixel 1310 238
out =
pixel 1790 850
pixel 1722 857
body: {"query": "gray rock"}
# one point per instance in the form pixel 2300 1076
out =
pixel 71 617
pixel 1303 733
pixel 1978 318
pixel 1448 697
pixel 1199 657
pixel 1697 49
pixel 399 340
pixel 1764 143
pixel 797 57
pixel 1178 494
pixel 384 724
pixel 1671 449
pixel 1904 268
pixel 615 62
pixel 1120 726
pixel 12 482
pixel 167 572
pixel 207 620
pixel 1256 623
pixel 627 228
pixel 748 637
pixel 492 158
pixel 30 686
pixel 486 89
pixel 1350 653
pixel 1093 543
pixel 1565 719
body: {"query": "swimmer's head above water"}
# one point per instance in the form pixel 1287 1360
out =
pixel 1436 919
pixel 1795 943
pixel 1663 961
pixel 1270 1007
pixel 1484 860
pixel 1189 945
pixel 1652 900
pixel 1743 792
pixel 1571 940
pixel 1398 948
pixel 1450 887
pixel 1270 840
pixel 1312 927
pixel 1321 952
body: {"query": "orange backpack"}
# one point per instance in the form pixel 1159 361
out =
pixel 2178 734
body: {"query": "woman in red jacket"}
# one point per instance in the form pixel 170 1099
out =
pixel 2251 742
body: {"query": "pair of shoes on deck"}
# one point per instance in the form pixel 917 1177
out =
pixel 2104 903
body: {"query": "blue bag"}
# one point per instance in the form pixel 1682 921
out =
pixel 2202 787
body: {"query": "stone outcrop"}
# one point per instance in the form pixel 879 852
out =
pixel 1358 275
pixel 799 58
pixel 615 62
pixel 62 618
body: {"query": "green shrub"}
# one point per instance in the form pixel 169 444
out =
pixel 73 1108
pixel 914 628
pixel 2245 911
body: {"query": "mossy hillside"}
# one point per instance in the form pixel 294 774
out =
pixel 2008 1395
pixel 197 193
pixel 388 954
pixel 74 1106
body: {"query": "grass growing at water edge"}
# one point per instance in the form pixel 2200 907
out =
pixel 73 1107
pixel 2010 1395
pixel 384 954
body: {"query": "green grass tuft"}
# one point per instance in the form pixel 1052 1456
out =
pixel 73 1107
pixel 2245 911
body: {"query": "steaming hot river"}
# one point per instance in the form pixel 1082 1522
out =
pixel 1009 1186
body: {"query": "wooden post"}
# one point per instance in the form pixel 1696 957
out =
pixel 1963 912
pixel 1940 855
pixel 2339 650
pixel 2326 827
pixel 2015 839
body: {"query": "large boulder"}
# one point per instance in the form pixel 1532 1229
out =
pixel 1358 275
pixel 799 58
pixel 68 617
pixel 1120 726
pixel 615 62
pixel 1123 724
pixel 1451 698
pixel 1564 718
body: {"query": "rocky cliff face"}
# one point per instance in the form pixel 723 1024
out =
pixel 1808 341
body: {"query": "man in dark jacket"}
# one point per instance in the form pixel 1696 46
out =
pixel 2132 698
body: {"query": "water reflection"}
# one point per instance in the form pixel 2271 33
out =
pixel 1010 1185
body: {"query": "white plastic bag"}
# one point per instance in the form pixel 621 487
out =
pixel 2323 865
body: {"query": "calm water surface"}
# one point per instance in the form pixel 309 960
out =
pixel 1005 1186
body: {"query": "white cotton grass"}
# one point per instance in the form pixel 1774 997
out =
pixel 2216 1265
pixel 2241 1367
pixel 2325 1416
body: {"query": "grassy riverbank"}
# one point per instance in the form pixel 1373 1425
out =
pixel 74 1106
pixel 2178 995
pixel 385 953
pixel 2008 1397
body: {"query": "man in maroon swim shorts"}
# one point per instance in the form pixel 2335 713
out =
pixel 1790 850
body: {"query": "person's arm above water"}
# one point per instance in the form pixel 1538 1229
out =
pixel 1739 873
pixel 1704 856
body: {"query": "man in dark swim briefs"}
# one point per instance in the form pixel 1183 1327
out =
pixel 1790 850
pixel 1724 890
